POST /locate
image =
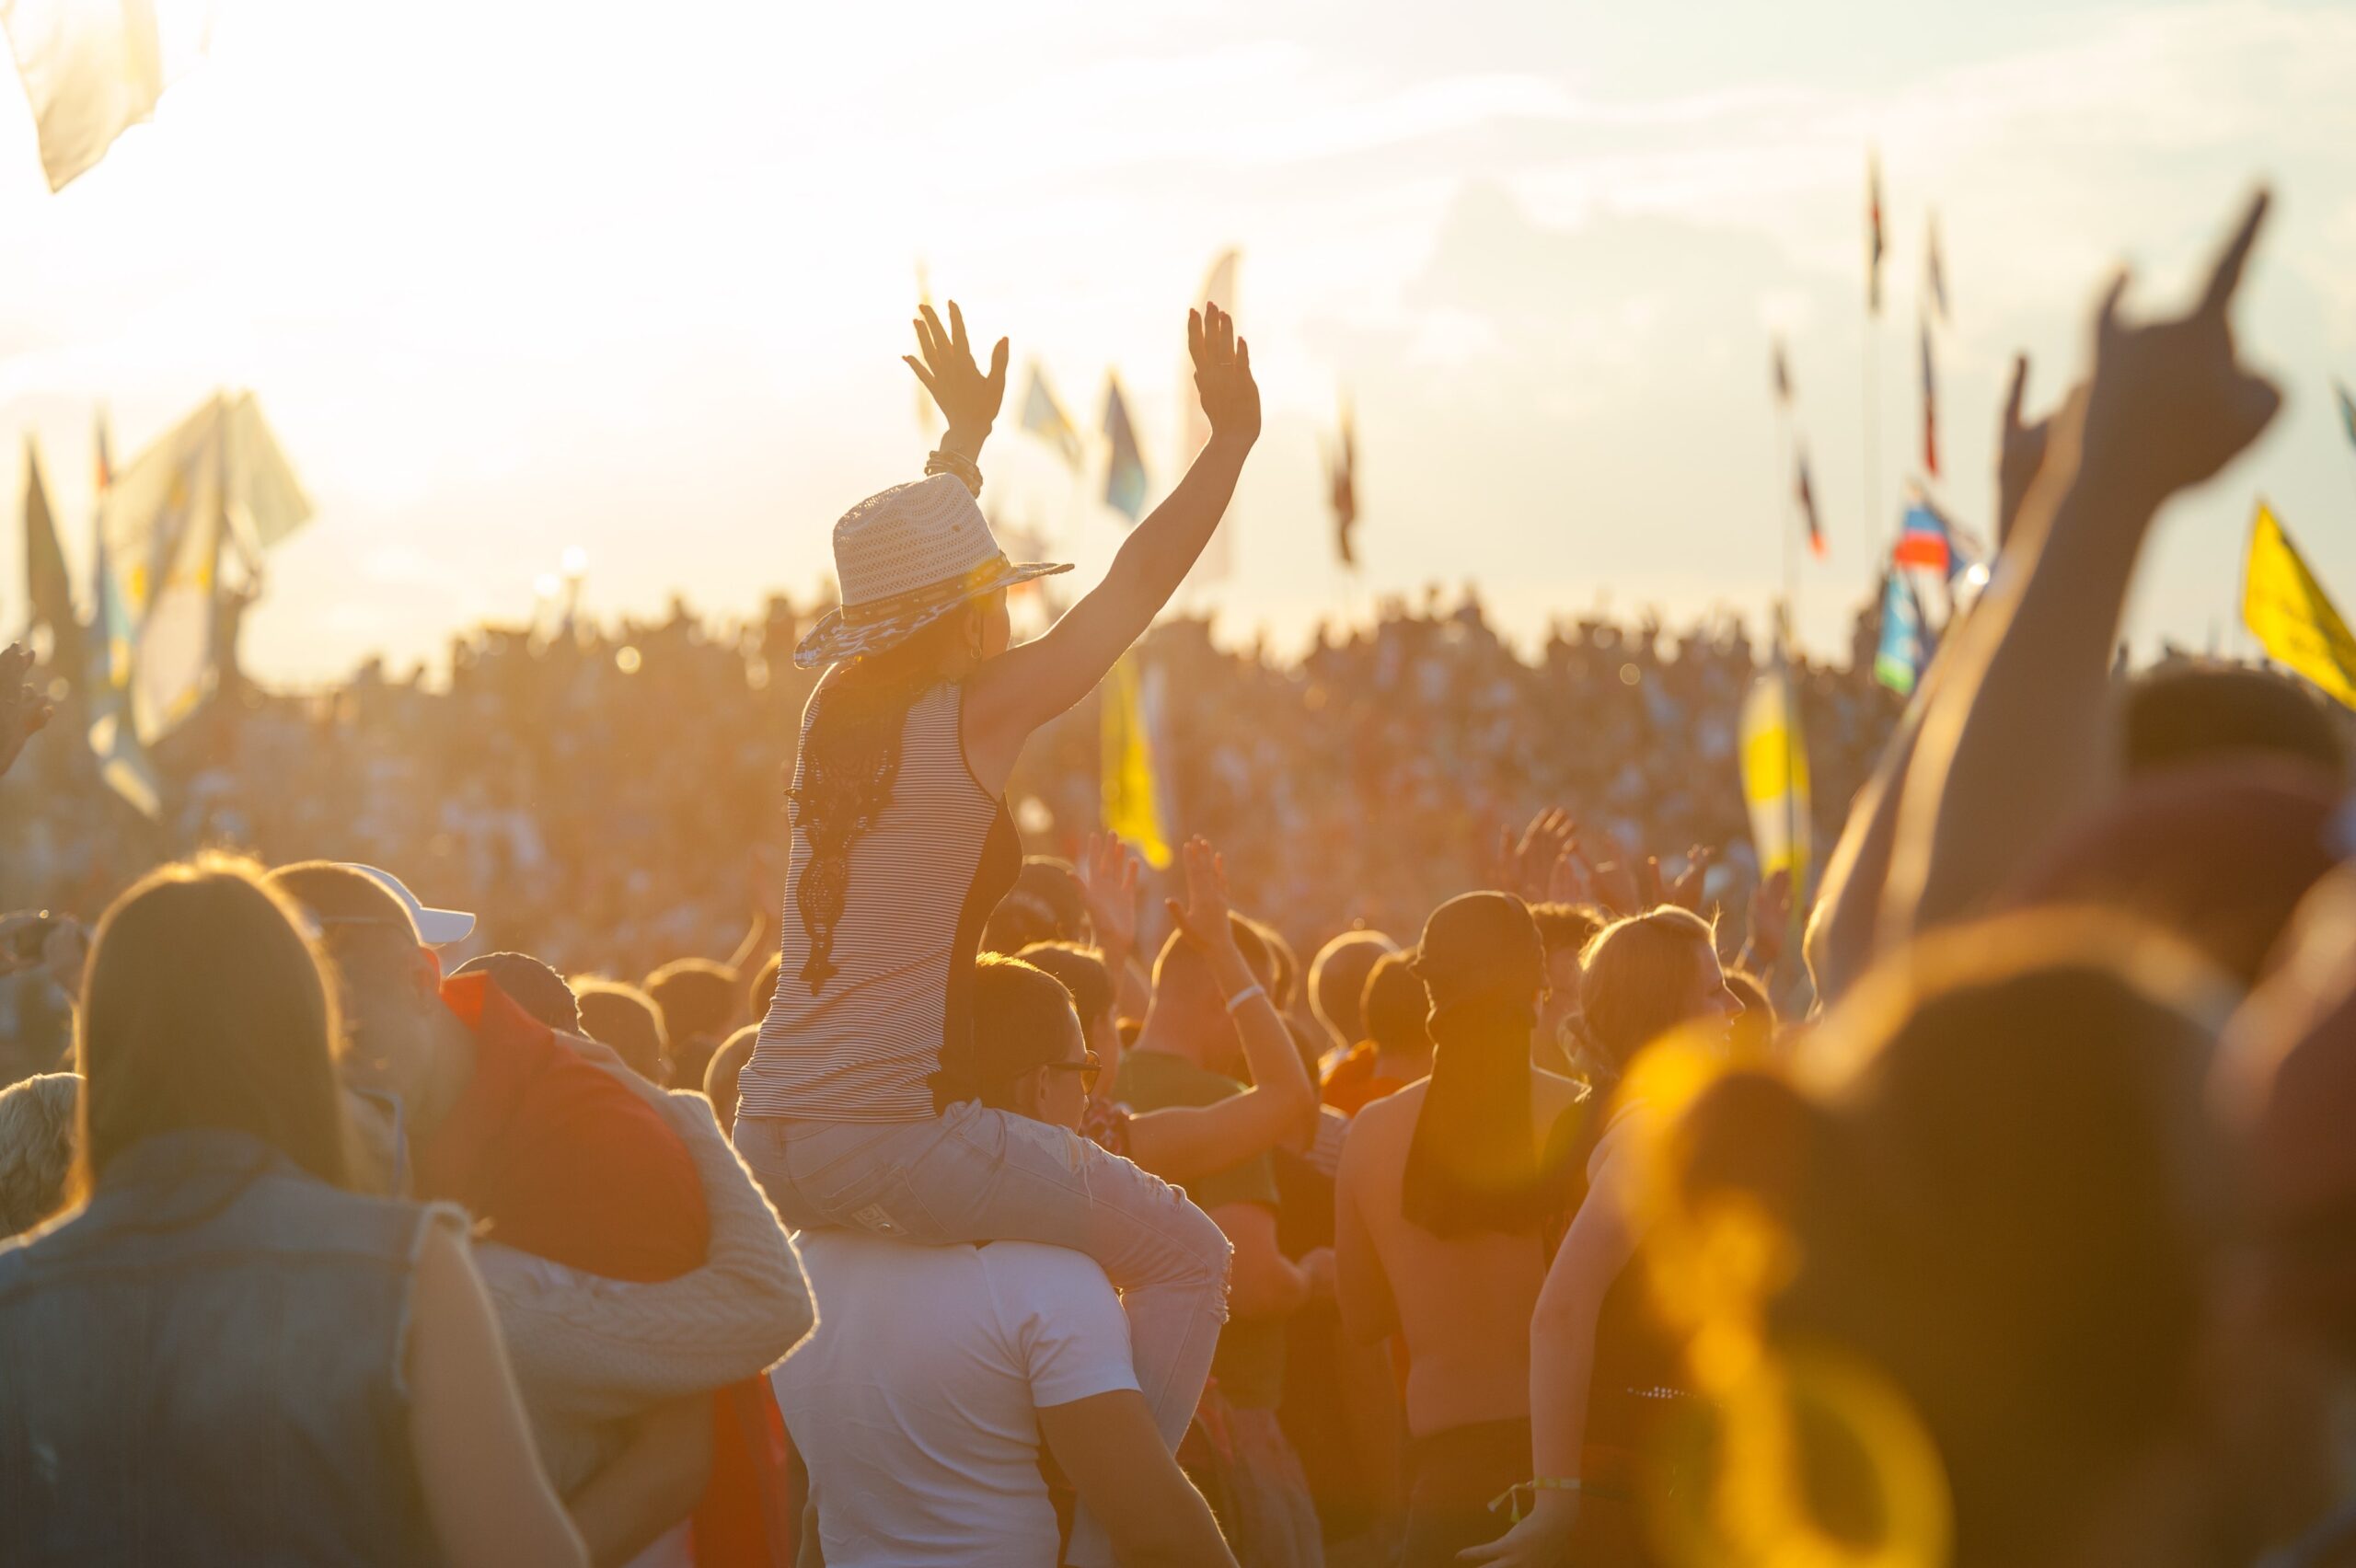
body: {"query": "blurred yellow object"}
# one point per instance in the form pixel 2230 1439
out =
pixel 2289 613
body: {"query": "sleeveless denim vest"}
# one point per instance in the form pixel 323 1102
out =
pixel 204 1367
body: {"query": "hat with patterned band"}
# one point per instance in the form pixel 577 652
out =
pixel 904 559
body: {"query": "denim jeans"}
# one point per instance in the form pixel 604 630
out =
pixel 976 1174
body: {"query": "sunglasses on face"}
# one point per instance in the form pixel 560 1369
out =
pixel 1090 1066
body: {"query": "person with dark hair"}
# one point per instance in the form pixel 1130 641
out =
pixel 624 1019
pixel 939 1376
pixel 1450 1191
pixel 1398 1047
pixel 701 1003
pixel 719 1078
pixel 762 989
pixel 1565 928
pixel 530 984
pixel 1338 980
pixel 903 844
pixel 1046 904
pixel 2195 712
pixel 221 1279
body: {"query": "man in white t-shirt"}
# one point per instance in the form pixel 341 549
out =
pixel 922 1401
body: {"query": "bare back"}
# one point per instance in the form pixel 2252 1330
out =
pixel 1462 1304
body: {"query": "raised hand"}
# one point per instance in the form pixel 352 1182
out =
pixel 1525 866
pixel 2170 402
pixel 1202 919
pixel 1108 884
pixel 1771 918
pixel 2020 453
pixel 969 400
pixel 1223 375
pixel 22 709
pixel 1686 891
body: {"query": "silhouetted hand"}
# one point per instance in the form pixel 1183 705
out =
pixel 1770 918
pixel 1202 921
pixel 2170 402
pixel 1686 891
pixel 1223 375
pixel 969 400
pixel 22 709
pixel 1525 866
pixel 1108 885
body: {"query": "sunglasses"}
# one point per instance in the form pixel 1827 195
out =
pixel 1090 1067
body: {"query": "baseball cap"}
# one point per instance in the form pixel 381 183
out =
pixel 435 928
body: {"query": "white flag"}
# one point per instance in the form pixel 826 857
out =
pixel 92 68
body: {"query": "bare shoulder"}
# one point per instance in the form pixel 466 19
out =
pixel 1382 1128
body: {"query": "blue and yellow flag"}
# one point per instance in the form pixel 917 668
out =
pixel 1044 418
pixel 1774 773
pixel 1124 477
pixel 1136 804
pixel 2292 616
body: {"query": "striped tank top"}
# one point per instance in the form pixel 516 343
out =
pixel 923 879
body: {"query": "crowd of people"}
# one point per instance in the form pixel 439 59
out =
pixel 1450 1167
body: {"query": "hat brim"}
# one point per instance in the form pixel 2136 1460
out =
pixel 834 638
pixel 440 928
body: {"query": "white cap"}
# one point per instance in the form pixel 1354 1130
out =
pixel 435 928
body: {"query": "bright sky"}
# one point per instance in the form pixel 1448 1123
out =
pixel 509 278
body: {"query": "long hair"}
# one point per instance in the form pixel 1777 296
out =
pixel 850 760
pixel 204 1006
pixel 1635 979
pixel 1474 1161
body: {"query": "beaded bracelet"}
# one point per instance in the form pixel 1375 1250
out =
pixel 944 461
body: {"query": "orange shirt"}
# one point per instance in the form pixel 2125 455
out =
pixel 561 1158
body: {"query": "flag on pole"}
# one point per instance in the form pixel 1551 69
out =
pixel 1342 490
pixel 1044 418
pixel 1935 273
pixel 2292 616
pixel 1874 245
pixel 1922 540
pixel 1805 494
pixel 46 583
pixel 1135 804
pixel 1930 404
pixel 2347 410
pixel 92 69
pixel 1782 372
pixel 1124 477
pixel 1774 772
pixel 1903 651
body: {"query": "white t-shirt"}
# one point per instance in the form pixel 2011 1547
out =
pixel 914 1401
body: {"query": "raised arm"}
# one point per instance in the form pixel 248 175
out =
pixel 967 398
pixel 1020 689
pixel 2021 737
pixel 1280 1107
pixel 22 710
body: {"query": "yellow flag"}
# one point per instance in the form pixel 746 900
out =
pixel 2292 616
pixel 1775 774
pixel 1134 805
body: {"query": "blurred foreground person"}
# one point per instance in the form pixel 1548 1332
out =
pixel 1451 1192
pixel 1603 1370
pixel 316 1375
pixel 1964 1258
pixel 938 1374
pixel 37 1117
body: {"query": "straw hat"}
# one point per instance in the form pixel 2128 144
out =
pixel 906 558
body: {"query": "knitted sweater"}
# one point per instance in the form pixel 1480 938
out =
pixel 590 1353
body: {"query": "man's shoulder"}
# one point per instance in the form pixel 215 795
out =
pixel 1059 1269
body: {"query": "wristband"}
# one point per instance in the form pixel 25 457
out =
pixel 1245 995
pixel 943 461
pixel 1511 1496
